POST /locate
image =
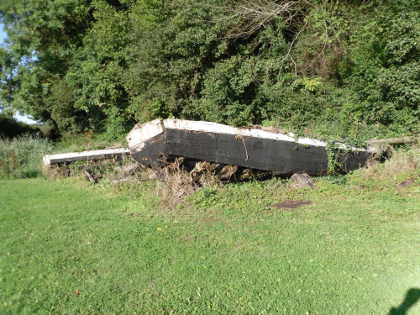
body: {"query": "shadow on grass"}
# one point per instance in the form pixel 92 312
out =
pixel 411 298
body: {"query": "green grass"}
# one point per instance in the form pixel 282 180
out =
pixel 76 249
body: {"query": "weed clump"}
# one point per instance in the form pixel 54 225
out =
pixel 402 162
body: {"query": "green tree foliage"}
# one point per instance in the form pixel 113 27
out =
pixel 43 36
pixel 347 68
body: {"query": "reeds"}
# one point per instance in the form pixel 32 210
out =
pixel 21 157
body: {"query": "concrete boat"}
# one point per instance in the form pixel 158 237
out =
pixel 255 148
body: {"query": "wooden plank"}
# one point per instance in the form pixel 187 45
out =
pixel 49 160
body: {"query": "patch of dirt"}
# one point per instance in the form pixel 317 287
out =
pixel 406 183
pixel 292 204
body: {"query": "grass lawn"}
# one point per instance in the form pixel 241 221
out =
pixel 71 248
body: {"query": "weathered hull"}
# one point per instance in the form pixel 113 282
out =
pixel 249 148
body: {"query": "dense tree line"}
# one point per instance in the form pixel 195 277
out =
pixel 10 128
pixel 334 67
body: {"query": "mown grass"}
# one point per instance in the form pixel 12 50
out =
pixel 21 157
pixel 72 248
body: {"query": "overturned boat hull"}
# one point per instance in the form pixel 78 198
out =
pixel 155 141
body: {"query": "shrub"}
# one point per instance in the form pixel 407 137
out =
pixel 307 64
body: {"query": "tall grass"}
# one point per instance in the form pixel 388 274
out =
pixel 21 157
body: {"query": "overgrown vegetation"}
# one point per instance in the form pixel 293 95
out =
pixel 21 157
pixel 90 69
pixel 347 69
